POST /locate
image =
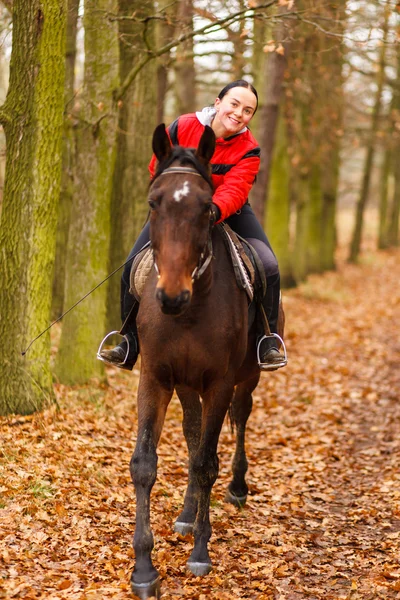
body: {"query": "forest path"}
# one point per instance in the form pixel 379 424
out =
pixel 323 514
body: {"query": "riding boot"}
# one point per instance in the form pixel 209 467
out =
pixel 269 356
pixel 125 354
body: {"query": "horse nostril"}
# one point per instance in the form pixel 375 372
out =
pixel 160 295
pixel 185 295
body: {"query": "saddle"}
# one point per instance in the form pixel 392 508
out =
pixel 246 264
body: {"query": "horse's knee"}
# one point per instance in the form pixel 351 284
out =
pixel 205 469
pixel 143 466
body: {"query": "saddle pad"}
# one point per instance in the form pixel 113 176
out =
pixel 244 258
pixel 140 271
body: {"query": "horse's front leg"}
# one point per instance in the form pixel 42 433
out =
pixel 191 407
pixel 153 401
pixel 205 471
pixel 242 404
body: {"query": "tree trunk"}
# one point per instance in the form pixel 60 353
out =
pixel 393 221
pixel 32 117
pixel 370 151
pixel 302 143
pixel 383 239
pixel 239 47
pixel 136 123
pixel 395 212
pixel 185 76
pixel 331 111
pixel 64 209
pixel 87 260
pixel 164 33
pixel 271 94
pixel 278 208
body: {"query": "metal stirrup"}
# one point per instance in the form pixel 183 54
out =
pixel 108 362
pixel 271 366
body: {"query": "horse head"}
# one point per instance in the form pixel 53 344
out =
pixel 180 200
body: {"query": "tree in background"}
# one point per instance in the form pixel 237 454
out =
pixel 165 29
pixel 89 235
pixel 270 196
pixel 184 67
pixel 371 142
pixel 66 195
pixel 389 207
pixel 136 122
pixel 32 118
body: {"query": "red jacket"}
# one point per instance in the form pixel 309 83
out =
pixel 235 162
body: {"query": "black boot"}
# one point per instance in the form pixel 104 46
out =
pixel 269 356
pixel 121 356
pixel 124 356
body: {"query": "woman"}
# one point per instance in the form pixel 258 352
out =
pixel 235 164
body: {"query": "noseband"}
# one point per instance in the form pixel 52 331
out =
pixel 207 254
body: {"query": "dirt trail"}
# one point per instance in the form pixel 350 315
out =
pixel 323 515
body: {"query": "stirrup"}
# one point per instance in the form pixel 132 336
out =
pixel 271 366
pixel 98 355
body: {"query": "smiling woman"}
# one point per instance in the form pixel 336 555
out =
pixel 234 166
pixel 234 110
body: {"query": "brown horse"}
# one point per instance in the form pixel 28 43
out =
pixel 194 338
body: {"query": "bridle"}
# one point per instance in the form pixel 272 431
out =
pixel 207 253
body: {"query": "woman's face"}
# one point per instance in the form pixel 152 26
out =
pixel 234 111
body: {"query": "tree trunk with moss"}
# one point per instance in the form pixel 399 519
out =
pixel 278 207
pixel 32 117
pixel 136 123
pixel 316 106
pixel 88 246
pixel 64 208
pixel 301 144
pixel 274 65
pixel 331 118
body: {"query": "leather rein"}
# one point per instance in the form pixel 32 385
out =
pixel 207 253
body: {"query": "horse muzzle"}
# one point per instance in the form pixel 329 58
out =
pixel 173 306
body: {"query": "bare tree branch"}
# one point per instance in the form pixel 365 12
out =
pixel 209 28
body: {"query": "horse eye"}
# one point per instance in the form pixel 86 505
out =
pixel 152 204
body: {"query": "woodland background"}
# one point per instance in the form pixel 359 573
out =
pixel 88 82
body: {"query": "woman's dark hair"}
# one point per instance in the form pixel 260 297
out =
pixel 239 83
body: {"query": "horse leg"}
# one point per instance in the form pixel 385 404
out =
pixel 153 401
pixel 191 406
pixel 205 471
pixel 241 407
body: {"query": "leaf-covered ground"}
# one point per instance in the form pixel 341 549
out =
pixel 323 516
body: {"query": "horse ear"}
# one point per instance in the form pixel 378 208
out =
pixel 161 143
pixel 206 146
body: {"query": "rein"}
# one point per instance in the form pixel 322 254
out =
pixel 207 254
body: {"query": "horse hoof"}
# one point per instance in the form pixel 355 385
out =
pixel 198 568
pixel 238 501
pixel 147 590
pixel 183 528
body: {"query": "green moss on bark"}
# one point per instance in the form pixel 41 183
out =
pixel 88 247
pixel 27 231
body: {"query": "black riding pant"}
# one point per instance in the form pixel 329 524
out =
pixel 245 224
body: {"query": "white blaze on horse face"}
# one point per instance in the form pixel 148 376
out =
pixel 184 191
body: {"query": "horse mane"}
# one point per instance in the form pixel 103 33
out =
pixel 186 156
